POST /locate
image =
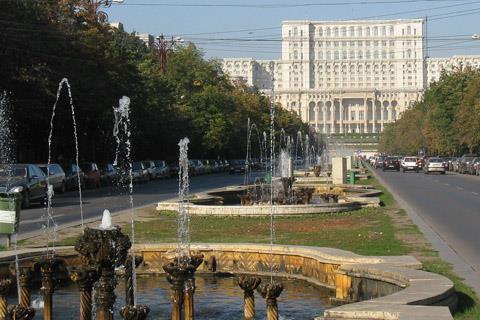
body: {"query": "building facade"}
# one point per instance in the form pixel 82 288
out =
pixel 346 76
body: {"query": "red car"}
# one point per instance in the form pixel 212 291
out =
pixel 92 174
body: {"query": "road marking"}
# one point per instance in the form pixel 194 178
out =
pixel 475 193
pixel 447 184
pixel 460 188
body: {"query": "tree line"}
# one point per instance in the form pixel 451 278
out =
pixel 43 41
pixel 445 122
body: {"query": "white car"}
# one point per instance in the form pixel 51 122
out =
pixel 434 165
pixel 409 164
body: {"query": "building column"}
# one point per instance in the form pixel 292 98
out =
pixel 365 115
pixel 382 115
pixel 349 118
pixel 324 120
pixel 332 117
pixel 374 115
pixel 316 117
pixel 341 115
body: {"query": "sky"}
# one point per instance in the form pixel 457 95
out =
pixel 216 26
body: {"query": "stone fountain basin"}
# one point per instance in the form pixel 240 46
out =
pixel 219 202
pixel 377 287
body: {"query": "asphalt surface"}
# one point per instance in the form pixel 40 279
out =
pixel 449 204
pixel 66 210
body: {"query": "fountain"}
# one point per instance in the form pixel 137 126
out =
pixel 103 252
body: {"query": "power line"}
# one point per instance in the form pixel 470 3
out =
pixel 280 6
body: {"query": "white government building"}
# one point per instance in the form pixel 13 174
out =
pixel 348 76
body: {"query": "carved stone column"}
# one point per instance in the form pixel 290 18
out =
pixel 342 116
pixel 104 249
pixel 47 269
pixel 134 312
pixel 20 313
pixel 181 277
pixel 85 278
pixel 189 287
pixel 176 275
pixel 23 311
pixel 26 269
pixel 5 285
pixel 129 289
pixel 248 285
pixel 271 291
pixel 324 118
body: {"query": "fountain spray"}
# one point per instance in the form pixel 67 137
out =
pixel 183 231
pixel 7 155
pixel 49 212
pixel 122 129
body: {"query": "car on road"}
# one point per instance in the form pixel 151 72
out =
pixel 92 174
pixel 434 164
pixel 163 169
pixel 409 164
pixel 237 166
pixel 391 163
pixel 71 176
pixel 378 163
pixel 139 172
pixel 27 179
pixel 56 176
pixel 465 161
pixel 472 166
pixel 109 175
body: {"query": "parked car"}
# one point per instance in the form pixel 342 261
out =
pixel 477 168
pixel 409 164
pixel 237 166
pixel 207 166
pixel 27 179
pixel 139 172
pixel 472 166
pixel 92 174
pixel 56 176
pixel 109 175
pixel 199 166
pixel 215 166
pixel 173 168
pixel 391 163
pixel 162 168
pixel 71 177
pixel 379 162
pixel 434 165
pixel 465 161
pixel 154 171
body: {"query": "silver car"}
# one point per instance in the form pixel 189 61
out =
pixel 434 165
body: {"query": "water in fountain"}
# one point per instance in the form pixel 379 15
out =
pixel 307 152
pixel 298 143
pixel 265 151
pixel 123 161
pixel 183 230
pixel 7 156
pixel 285 164
pixel 49 220
pixel 272 174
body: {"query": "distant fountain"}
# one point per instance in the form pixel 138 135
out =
pixel 298 143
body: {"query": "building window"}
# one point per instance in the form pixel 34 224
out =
pixel 320 32
pixel 359 31
pixel 295 55
pixel 391 30
pixel 352 32
pixel 295 31
pixel 328 32
pixel 375 31
pixel 344 32
pixel 335 32
pixel 384 31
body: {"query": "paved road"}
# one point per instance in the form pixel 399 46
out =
pixel 66 207
pixel 449 204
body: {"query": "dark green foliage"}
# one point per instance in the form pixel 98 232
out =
pixel 42 42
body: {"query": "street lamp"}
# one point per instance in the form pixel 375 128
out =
pixel 163 47
pixel 92 7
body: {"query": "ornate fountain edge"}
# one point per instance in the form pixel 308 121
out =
pixel 424 295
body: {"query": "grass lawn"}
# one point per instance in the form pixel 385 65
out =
pixel 370 231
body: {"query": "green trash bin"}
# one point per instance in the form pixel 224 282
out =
pixel 10 205
pixel 352 177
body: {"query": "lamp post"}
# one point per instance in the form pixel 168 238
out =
pixel 92 7
pixel 163 47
